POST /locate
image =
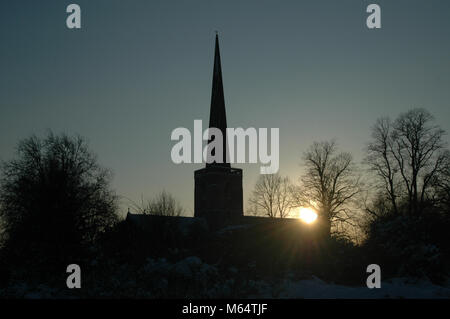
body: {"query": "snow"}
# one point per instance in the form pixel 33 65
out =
pixel 193 277
pixel 395 288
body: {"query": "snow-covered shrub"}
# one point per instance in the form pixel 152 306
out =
pixel 411 245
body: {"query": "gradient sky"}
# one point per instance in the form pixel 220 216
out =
pixel 138 69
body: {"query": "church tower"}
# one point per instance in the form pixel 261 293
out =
pixel 218 186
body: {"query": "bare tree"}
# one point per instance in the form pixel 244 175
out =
pixel 408 155
pixel 441 186
pixel 330 183
pixel 382 162
pixel 163 204
pixel 272 196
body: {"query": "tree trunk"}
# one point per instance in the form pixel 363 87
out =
pixel 325 226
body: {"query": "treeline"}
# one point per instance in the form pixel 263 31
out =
pixel 57 208
pixel 395 203
pixel 405 173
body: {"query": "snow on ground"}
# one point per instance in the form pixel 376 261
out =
pixel 206 281
pixel 395 288
pixel 307 289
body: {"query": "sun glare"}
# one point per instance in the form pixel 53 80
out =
pixel 308 215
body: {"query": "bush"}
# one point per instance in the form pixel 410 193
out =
pixel 410 245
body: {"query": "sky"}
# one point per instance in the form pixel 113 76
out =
pixel 136 70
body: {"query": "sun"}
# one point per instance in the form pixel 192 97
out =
pixel 308 215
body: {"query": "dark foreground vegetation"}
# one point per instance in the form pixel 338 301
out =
pixel 57 208
pixel 127 261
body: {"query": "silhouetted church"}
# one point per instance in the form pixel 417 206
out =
pixel 218 186
pixel 218 189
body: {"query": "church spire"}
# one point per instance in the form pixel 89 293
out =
pixel 218 187
pixel 217 115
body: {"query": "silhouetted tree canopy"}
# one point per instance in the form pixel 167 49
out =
pixel 272 196
pixel 163 204
pixel 410 160
pixel 54 196
pixel 331 184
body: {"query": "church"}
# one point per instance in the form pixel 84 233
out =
pixel 218 186
pixel 218 195
pixel 218 190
